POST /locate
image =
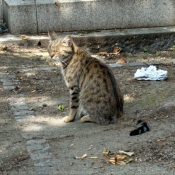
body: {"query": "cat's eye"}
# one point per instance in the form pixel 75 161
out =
pixel 67 51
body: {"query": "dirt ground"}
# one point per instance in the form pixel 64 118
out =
pixel 44 91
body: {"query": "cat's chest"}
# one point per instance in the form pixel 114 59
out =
pixel 71 76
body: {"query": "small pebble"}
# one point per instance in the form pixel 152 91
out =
pixel 44 105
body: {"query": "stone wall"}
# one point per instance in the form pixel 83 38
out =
pixel 38 16
pixel 1 11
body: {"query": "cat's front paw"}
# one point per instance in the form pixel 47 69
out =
pixel 68 119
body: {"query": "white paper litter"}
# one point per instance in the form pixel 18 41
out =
pixel 150 73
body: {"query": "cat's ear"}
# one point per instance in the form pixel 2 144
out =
pixel 52 35
pixel 68 41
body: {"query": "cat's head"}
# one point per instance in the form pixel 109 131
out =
pixel 60 49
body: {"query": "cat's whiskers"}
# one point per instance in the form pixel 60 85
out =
pixel 52 58
pixel 60 60
pixel 63 62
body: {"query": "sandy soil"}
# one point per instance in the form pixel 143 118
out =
pixel 44 90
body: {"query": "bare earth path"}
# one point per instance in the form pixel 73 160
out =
pixel 35 140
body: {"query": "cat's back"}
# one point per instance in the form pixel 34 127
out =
pixel 99 90
pixel 98 73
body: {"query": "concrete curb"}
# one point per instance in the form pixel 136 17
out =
pixel 158 38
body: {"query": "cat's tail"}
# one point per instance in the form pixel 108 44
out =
pixel 142 127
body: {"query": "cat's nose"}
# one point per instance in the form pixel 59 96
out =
pixel 51 55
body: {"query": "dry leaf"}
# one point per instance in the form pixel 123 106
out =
pixel 82 157
pixel 121 60
pixel 126 153
pixel 117 49
pixel 93 157
pixel 85 155
pixel 89 148
pixel 103 53
pixel 160 140
pixel 107 153
pixel 121 163
pixel 24 37
pixel 129 160
pixel 33 91
pixel 111 160
pixel 121 157
pixel 71 163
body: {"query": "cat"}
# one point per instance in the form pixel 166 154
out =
pixel 142 127
pixel 94 94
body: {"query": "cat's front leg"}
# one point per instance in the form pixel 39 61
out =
pixel 74 101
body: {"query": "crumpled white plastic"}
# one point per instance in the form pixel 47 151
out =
pixel 150 73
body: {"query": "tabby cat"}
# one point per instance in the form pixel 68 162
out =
pixel 95 96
